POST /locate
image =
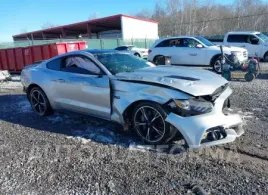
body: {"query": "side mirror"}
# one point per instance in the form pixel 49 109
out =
pixel 199 46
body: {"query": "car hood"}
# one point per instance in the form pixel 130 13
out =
pixel 197 82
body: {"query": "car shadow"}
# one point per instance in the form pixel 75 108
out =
pixel 262 76
pixel 16 109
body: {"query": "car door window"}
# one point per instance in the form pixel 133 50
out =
pixel 187 42
pixel 252 40
pixel 81 64
pixel 176 43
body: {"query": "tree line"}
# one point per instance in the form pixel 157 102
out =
pixel 207 18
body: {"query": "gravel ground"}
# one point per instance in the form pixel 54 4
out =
pixel 72 154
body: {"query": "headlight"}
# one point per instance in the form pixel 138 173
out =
pixel 191 107
pixel 237 53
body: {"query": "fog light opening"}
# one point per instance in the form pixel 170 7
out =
pixel 214 134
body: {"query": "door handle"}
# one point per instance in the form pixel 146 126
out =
pixel 60 80
pixel 192 54
pixel 243 46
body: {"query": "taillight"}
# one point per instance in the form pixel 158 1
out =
pixel 149 51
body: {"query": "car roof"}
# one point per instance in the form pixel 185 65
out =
pixel 177 37
pixel 168 38
pixel 99 51
pixel 247 32
pixel 91 51
pixel 126 46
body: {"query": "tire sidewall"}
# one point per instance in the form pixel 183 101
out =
pixel 249 77
pixel 137 54
pixel 169 132
pixel 214 62
pixel 155 61
pixel 265 57
pixel 48 107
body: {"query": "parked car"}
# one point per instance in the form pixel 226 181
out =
pixel 156 102
pixel 139 52
pixel 255 42
pixel 188 50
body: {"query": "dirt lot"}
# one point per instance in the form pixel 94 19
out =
pixel 72 154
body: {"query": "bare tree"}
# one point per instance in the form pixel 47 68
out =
pixel 193 17
pixel 48 25
pixel 24 30
pixel 144 13
pixel 94 16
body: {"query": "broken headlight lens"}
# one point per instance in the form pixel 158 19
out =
pixel 191 107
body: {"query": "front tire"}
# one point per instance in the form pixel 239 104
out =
pixel 148 120
pixel 216 64
pixel 39 102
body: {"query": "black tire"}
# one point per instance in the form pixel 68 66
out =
pixel 39 102
pixel 265 57
pixel 215 63
pixel 158 59
pixel 249 77
pixel 227 75
pixel 160 132
pixel 137 54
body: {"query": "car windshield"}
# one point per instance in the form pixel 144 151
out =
pixel 121 62
pixel 262 36
pixel 204 41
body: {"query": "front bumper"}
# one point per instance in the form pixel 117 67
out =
pixel 243 59
pixel 144 55
pixel 194 128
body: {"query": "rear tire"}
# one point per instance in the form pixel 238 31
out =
pixel 265 58
pixel 39 102
pixel 148 121
pixel 157 60
pixel 137 54
pixel 227 75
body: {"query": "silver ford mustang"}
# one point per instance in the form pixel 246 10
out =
pixel 157 102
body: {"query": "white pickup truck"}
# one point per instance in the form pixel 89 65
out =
pixel 193 50
pixel 255 42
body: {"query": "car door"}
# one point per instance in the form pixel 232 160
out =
pixel 190 53
pixel 171 48
pixel 82 86
pixel 252 45
pixel 237 40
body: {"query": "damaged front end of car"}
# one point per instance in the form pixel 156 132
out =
pixel 202 121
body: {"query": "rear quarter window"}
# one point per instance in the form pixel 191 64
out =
pixel 55 64
pixel 165 43
pixel 237 38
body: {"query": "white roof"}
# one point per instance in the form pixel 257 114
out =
pixel 177 37
pixel 127 46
